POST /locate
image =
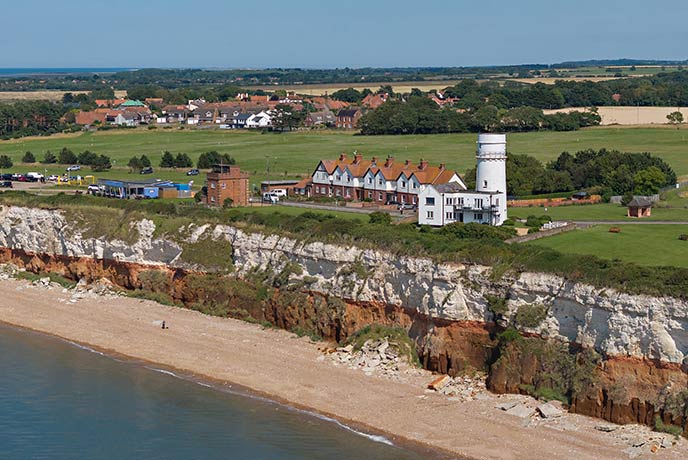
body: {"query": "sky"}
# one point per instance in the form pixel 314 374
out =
pixel 330 34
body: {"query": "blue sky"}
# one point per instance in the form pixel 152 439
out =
pixel 325 34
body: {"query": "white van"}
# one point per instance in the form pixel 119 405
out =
pixel 35 175
pixel 279 191
pixel 270 197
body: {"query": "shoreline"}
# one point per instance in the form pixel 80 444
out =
pixel 275 365
pixel 235 389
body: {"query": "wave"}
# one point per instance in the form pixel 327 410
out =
pixel 84 347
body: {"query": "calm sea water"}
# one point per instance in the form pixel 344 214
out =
pixel 30 71
pixel 58 401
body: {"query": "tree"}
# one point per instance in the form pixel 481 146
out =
pixel 135 163
pixel 348 95
pixel 49 158
pixel 86 157
pixel 182 160
pixel 145 162
pixel 649 181
pixel 675 118
pixel 5 162
pixel 66 157
pixel 28 158
pixel 101 163
pixel 167 160
pixel 208 159
pixel 285 117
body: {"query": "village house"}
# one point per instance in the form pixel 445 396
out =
pixel 373 101
pixel 227 182
pixel 348 118
pixel 174 114
pixel 381 182
pixel 323 118
pixel 259 120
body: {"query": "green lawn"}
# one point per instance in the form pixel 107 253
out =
pixel 297 154
pixel 642 244
pixel 599 212
pixel 294 211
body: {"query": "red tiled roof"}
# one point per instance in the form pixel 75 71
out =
pixel 427 175
pixel 88 118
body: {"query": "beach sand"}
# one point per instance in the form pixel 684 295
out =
pixel 277 364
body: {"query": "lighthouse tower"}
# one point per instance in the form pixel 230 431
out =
pixel 491 173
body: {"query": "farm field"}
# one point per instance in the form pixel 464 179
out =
pixel 322 88
pixel 603 212
pixel 296 154
pixel 614 115
pixel 653 245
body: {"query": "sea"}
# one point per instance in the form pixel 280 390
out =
pixel 60 400
pixel 47 71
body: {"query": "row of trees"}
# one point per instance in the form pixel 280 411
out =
pixel 608 172
pixel 420 115
pixel 30 118
pixel 182 160
pixel 68 157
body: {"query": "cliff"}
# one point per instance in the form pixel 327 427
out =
pixel 453 311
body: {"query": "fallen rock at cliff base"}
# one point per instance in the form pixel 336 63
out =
pixel 547 410
pixel 521 411
pixel 439 383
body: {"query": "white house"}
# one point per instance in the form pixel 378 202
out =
pixel 441 204
pixel 259 120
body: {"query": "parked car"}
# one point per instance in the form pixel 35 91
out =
pixel 7 176
pixel 279 192
pixel 6 184
pixel 270 197
pixel 35 176
pixel 193 172
pixel 147 170
pixel 53 177
pixel 74 168
pixel 94 189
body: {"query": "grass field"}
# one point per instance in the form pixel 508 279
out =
pixel 642 244
pixel 603 212
pixel 297 153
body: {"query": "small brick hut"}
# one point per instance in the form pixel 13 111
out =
pixel 226 181
pixel 639 207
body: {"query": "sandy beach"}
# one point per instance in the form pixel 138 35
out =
pixel 277 364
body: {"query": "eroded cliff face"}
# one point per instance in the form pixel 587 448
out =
pixel 449 309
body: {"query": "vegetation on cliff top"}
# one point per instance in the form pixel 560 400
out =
pixel 454 243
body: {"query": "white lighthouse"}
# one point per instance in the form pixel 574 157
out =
pixel 444 204
pixel 491 173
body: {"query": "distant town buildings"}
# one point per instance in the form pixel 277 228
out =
pixel 441 204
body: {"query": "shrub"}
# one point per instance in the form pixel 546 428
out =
pixel 662 427
pixel 28 158
pixel 378 217
pixel 530 316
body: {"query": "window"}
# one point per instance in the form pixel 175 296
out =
pixel 379 181
pixel 460 201
pixel 485 183
pixel 348 178
pixel 212 185
pixel 414 200
pixel 403 183
pixel 450 215
pixel 339 192
pixel 448 201
pixel 429 201
pixel 478 216
pixel 223 186
pixel 370 180
pixel 415 185
pixel 370 195
pixel 478 202
pixel 430 215
pixel 339 177
pixel 348 192
pixel 212 199
pixel 379 196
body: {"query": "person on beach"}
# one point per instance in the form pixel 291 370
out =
pixel 163 325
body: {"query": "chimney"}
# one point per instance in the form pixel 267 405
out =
pixel 423 164
pixel 374 160
pixel 407 163
pixel 442 166
pixel 390 160
pixel 342 157
pixel 357 158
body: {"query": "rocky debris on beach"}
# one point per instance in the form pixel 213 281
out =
pixel 8 271
pixel 100 288
pixel 375 357
pixel 460 388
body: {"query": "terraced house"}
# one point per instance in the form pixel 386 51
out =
pixel 382 182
